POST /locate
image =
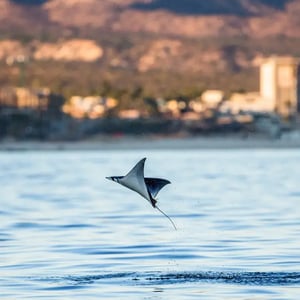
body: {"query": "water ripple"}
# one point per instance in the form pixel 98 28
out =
pixel 237 278
pixel 242 278
pixel 66 230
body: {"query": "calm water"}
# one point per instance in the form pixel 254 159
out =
pixel 68 233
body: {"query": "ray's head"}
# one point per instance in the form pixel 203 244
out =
pixel 114 178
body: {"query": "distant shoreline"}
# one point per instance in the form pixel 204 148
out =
pixel 153 143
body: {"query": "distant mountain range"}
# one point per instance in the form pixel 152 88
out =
pixel 161 45
pixel 188 18
pixel 194 7
pixel 213 7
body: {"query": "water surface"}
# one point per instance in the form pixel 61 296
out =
pixel 68 233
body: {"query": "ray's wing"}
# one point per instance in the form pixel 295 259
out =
pixel 137 170
pixel 154 185
pixel 135 181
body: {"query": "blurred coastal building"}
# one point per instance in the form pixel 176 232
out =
pixel 91 107
pixel 246 102
pixel 279 84
pixel 212 98
pixel 129 114
pixel 279 90
pixel 21 99
pixel 29 113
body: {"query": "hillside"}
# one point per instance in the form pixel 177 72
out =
pixel 194 18
pixel 164 46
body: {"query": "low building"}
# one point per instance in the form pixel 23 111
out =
pixel 129 114
pixel 25 99
pixel 246 102
pixel 212 98
pixel 18 98
pixel 197 106
pixel 91 107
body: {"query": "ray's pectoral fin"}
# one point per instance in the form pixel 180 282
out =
pixel 138 169
pixel 154 185
pixel 134 180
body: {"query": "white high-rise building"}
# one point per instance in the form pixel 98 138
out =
pixel 279 84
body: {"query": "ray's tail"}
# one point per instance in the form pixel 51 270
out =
pixel 166 217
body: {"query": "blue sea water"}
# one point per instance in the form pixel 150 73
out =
pixel 68 233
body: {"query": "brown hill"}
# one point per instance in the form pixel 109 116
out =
pixel 163 46
pixel 194 18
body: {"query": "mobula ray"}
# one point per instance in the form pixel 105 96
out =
pixel 146 187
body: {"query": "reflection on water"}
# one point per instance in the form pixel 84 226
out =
pixel 67 232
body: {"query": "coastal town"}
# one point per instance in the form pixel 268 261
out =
pixel 40 114
pixel 118 69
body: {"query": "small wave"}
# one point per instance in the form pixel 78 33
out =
pixel 239 278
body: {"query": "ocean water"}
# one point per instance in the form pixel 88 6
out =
pixel 68 233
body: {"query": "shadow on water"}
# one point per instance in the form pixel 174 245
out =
pixel 237 278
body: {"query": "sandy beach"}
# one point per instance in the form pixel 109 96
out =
pixel 152 143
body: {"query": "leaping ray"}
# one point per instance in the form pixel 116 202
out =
pixel 146 187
